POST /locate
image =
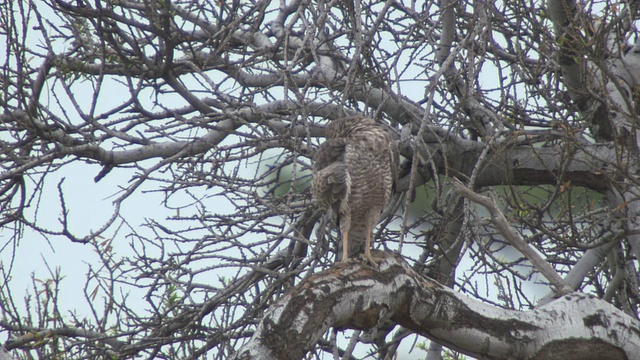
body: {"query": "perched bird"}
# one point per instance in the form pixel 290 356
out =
pixel 354 172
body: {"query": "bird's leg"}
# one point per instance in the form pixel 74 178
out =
pixel 367 251
pixel 345 246
pixel 345 226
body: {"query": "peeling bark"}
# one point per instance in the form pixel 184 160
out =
pixel 357 296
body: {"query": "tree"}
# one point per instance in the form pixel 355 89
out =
pixel 517 127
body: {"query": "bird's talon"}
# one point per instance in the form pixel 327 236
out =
pixel 373 261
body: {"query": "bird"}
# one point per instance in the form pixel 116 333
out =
pixel 354 176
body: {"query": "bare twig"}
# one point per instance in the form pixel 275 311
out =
pixel 500 221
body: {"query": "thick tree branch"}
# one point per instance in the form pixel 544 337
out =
pixel 513 164
pixel 357 296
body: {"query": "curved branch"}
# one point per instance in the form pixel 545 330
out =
pixel 357 296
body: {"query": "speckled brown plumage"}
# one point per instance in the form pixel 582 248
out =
pixel 353 175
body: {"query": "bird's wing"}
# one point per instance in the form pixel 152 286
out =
pixel 331 180
pixel 331 185
pixel 328 152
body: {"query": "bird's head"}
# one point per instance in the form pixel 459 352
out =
pixel 347 126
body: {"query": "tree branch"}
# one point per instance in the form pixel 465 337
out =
pixel 500 221
pixel 356 296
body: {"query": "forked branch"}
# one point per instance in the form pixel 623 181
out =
pixel 501 223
